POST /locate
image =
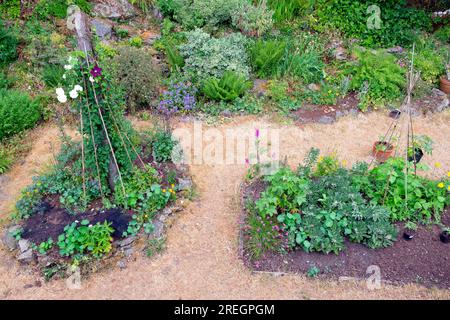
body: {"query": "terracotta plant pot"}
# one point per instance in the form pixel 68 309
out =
pixel 445 85
pixel 382 150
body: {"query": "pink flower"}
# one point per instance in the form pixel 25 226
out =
pixel 257 133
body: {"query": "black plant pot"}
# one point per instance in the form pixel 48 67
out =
pixel 418 154
pixel 395 114
pixel 408 235
pixel 445 237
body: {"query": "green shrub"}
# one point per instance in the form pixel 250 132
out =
pixel 327 165
pixel 5 160
pixel 430 61
pixel 265 56
pixel 385 185
pixel 207 57
pixel 398 23
pixel 287 10
pixel 198 13
pixel 228 88
pixel 10 9
pixel 253 20
pixel 82 237
pixel 134 71
pixel 52 75
pixel 8 45
pixel 307 66
pixel 17 112
pixel 58 8
pixel 319 213
pixel 443 34
pixel 162 146
pixel 303 58
pixel 381 78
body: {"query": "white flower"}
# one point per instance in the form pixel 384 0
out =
pixel 64 76
pixel 60 91
pixel 71 60
pixel 91 79
pixel 90 226
pixel 62 99
pixel 68 67
pixel 76 221
pixel 78 88
pixel 73 94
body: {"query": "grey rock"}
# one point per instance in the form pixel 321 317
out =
pixel 24 245
pixel 122 264
pixel 128 252
pixel 114 9
pixel 340 54
pixel 184 183
pixel 26 257
pixel 127 241
pixel 158 230
pixel 167 211
pixel 103 28
pixel 395 50
pixel 326 120
pixel 8 239
pixel 313 87
pixel 226 113
pixel 181 167
pixel 157 14
pixel 340 113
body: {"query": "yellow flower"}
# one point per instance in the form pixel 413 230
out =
pixel 170 190
pixel 438 165
pixel 344 162
pixel 448 174
pixel 164 190
pixel 448 188
pixel 172 185
pixel 441 185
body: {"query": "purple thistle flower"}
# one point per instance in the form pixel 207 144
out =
pixel 257 133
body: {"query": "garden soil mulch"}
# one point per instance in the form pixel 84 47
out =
pixel 201 260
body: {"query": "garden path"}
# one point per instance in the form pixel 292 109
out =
pixel 201 259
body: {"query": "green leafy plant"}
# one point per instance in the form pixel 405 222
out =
pixel 46 9
pixel 423 142
pixel 134 71
pixel 327 165
pixel 162 145
pixel 200 13
pixel 397 22
pixel 385 185
pixel 17 112
pixel 79 238
pixel 253 20
pixel 265 56
pixel 52 75
pixel 380 73
pixel 8 45
pixel 228 88
pixel 443 34
pixel 155 246
pixel 207 57
pixel 313 272
pixel 263 234
pixel 136 42
pixel 288 10
pixel 45 246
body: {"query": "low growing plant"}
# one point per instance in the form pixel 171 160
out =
pixel 228 88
